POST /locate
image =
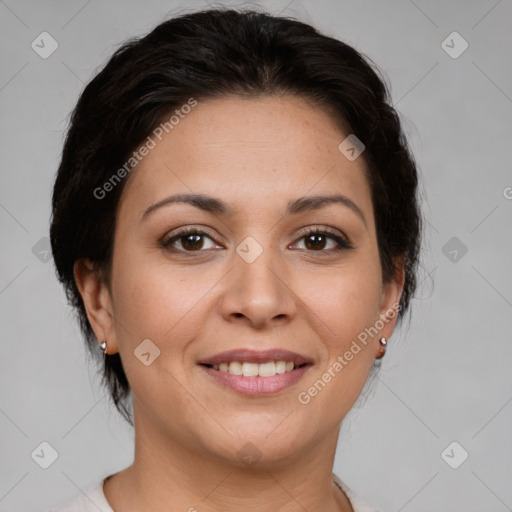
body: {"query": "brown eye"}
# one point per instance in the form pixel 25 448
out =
pixel 190 240
pixel 317 240
pixel 193 242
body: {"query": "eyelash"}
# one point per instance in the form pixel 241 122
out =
pixel 342 243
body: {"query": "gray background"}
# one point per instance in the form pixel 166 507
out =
pixel 445 378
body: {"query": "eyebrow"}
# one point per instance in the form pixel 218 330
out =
pixel 217 206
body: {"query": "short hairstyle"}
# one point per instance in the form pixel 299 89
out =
pixel 211 54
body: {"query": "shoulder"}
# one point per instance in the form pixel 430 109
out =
pixel 357 503
pixel 92 500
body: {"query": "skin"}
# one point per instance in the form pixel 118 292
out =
pixel 256 155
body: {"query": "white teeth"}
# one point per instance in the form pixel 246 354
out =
pixel 250 369
pixel 280 366
pixel 268 369
pixel 235 368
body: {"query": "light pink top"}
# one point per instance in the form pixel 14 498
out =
pixel 94 500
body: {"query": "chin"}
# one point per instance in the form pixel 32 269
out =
pixel 260 448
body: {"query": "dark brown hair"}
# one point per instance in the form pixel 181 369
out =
pixel 209 54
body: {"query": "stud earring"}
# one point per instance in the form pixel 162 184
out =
pixel 103 346
pixel 383 343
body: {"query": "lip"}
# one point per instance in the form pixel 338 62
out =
pixel 257 356
pixel 257 386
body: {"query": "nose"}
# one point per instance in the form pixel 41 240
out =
pixel 258 293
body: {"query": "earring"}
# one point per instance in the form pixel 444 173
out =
pixel 103 346
pixel 383 343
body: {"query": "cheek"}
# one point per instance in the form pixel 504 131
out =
pixel 159 300
pixel 346 299
pixel 342 314
pixel 345 305
pixel 151 300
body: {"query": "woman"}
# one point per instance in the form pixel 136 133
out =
pixel 235 220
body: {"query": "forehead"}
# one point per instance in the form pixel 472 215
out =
pixel 266 149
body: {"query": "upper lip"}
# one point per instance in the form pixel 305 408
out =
pixel 256 356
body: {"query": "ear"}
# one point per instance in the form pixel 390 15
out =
pixel 390 298
pixel 97 301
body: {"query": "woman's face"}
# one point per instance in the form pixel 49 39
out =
pixel 253 278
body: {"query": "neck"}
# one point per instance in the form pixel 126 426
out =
pixel 166 472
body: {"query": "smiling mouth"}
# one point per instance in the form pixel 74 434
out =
pixel 246 369
pixel 256 379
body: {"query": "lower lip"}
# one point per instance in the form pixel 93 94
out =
pixel 257 385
